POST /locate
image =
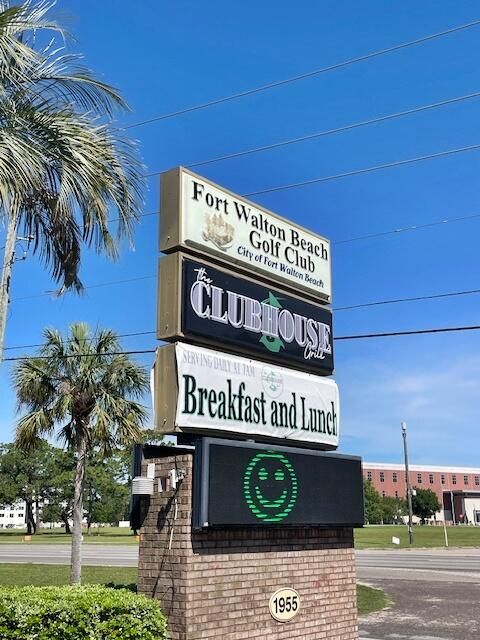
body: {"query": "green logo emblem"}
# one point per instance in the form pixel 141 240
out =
pixel 270 486
pixel 272 344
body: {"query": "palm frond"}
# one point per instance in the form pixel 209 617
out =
pixel 61 79
pixel 63 169
pixel 33 383
pixel 33 427
pixel 17 23
pixel 80 171
pixel 90 399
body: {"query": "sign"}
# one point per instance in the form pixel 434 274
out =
pixel 247 484
pixel 211 305
pixel 284 604
pixel 198 214
pixel 198 389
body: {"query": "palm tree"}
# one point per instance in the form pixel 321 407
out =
pixel 84 390
pixel 64 169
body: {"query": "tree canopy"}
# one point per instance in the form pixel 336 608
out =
pixel 82 389
pixel 63 166
pixel 425 503
pixel 69 177
pixel 25 477
pixel 373 503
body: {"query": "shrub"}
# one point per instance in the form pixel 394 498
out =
pixel 92 612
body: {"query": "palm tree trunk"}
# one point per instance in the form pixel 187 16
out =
pixel 8 260
pixel 76 557
pixel 90 507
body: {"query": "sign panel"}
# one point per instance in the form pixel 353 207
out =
pixel 211 305
pixel 263 485
pixel 198 389
pixel 199 214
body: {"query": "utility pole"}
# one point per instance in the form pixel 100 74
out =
pixel 6 273
pixel 409 490
pixel 8 260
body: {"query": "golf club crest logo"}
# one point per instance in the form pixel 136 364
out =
pixel 218 231
pixel 272 381
pixel 270 486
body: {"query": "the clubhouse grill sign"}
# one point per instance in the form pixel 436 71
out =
pixel 250 317
pixel 209 219
pixel 203 390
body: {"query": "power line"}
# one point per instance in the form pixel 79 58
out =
pixel 356 306
pixel 386 334
pixel 81 355
pixel 91 286
pixel 435 296
pixel 415 227
pixel 375 303
pixel 303 76
pixel 327 132
pixel 119 335
pixel 413 332
pixel 356 172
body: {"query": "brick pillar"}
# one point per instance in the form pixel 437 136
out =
pixel 216 584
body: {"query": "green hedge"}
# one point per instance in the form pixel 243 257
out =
pixel 78 613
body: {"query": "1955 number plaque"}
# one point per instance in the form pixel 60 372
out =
pixel 284 604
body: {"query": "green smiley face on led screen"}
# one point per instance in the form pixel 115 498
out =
pixel 270 486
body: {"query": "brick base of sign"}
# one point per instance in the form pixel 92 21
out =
pixel 217 584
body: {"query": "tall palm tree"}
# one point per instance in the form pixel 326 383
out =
pixel 84 390
pixel 65 170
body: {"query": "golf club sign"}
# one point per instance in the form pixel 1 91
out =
pixel 245 382
pixel 203 390
pixel 199 215
pixel 251 318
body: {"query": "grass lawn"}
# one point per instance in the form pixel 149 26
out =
pixel 369 599
pixel 41 575
pixel 380 537
pixel 105 535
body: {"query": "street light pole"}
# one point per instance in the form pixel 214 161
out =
pixel 407 478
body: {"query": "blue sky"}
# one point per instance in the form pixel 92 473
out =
pixel 167 56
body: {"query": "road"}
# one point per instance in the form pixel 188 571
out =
pixel 435 593
pixel 440 565
pixel 93 554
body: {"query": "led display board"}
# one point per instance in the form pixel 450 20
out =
pixel 207 304
pixel 203 217
pixel 247 484
pixel 204 390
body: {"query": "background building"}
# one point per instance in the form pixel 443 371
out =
pixel 457 488
pixel 12 516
